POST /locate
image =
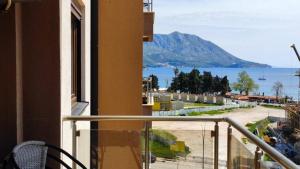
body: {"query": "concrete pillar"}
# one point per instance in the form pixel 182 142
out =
pixel 220 100
pixel 184 97
pixel 175 96
pixel 8 83
pixel 41 71
pixel 120 78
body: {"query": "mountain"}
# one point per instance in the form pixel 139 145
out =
pixel 179 49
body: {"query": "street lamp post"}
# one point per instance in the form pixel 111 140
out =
pixel 297 73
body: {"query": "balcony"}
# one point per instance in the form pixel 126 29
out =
pixel 215 143
pixel 148 21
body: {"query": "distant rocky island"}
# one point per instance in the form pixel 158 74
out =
pixel 186 50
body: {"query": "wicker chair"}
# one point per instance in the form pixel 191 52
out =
pixel 34 155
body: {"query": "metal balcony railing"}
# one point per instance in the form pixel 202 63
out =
pixel 208 141
pixel 148 5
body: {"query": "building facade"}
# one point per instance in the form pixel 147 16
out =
pixel 71 57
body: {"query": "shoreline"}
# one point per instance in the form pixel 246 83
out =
pixel 272 75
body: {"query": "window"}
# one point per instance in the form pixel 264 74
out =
pixel 76 55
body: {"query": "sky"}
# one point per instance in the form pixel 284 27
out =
pixel 255 30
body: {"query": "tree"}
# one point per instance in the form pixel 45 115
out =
pixel 244 83
pixel 183 82
pixel 207 82
pixel 174 85
pixel 154 82
pixel 216 88
pixel 176 72
pixel 175 81
pixel 194 81
pixel 225 86
pixel 278 89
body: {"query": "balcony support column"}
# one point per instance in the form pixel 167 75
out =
pixel 147 147
pixel 74 142
pixel 257 157
pixel 216 147
pixel 229 137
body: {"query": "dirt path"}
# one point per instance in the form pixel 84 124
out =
pixel 185 131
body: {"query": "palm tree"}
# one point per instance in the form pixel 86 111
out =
pixel 278 89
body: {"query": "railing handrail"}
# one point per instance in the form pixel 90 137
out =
pixel 141 118
pixel 273 153
pixel 280 158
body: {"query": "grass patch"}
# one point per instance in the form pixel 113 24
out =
pixel 272 106
pixel 247 107
pixel 160 144
pixel 216 112
pixel 212 112
pixel 161 150
pixel 266 157
pixel 187 105
pixel 165 135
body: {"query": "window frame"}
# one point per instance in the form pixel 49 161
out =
pixel 76 53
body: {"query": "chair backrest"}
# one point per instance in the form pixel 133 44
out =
pixel 34 155
pixel 30 155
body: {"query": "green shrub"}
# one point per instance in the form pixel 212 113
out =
pixel 164 134
pixel 272 106
pixel 267 158
pixel 161 150
pixel 161 142
pixel 212 112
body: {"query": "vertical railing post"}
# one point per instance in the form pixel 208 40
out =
pixel 74 142
pixel 216 153
pixel 147 148
pixel 151 5
pixel 257 158
pixel 229 137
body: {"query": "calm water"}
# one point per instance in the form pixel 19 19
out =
pixel 272 75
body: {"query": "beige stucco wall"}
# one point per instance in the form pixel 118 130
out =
pixel 120 58
pixel 120 79
pixel 45 52
pixel 65 74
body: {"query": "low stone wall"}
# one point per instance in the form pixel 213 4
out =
pixel 211 100
pixel 186 111
pixel 202 99
pixel 198 98
pixel 177 105
pixel 192 98
pixel 184 97
pixel 202 109
pixel 221 100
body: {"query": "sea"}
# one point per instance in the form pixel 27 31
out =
pixel 284 75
